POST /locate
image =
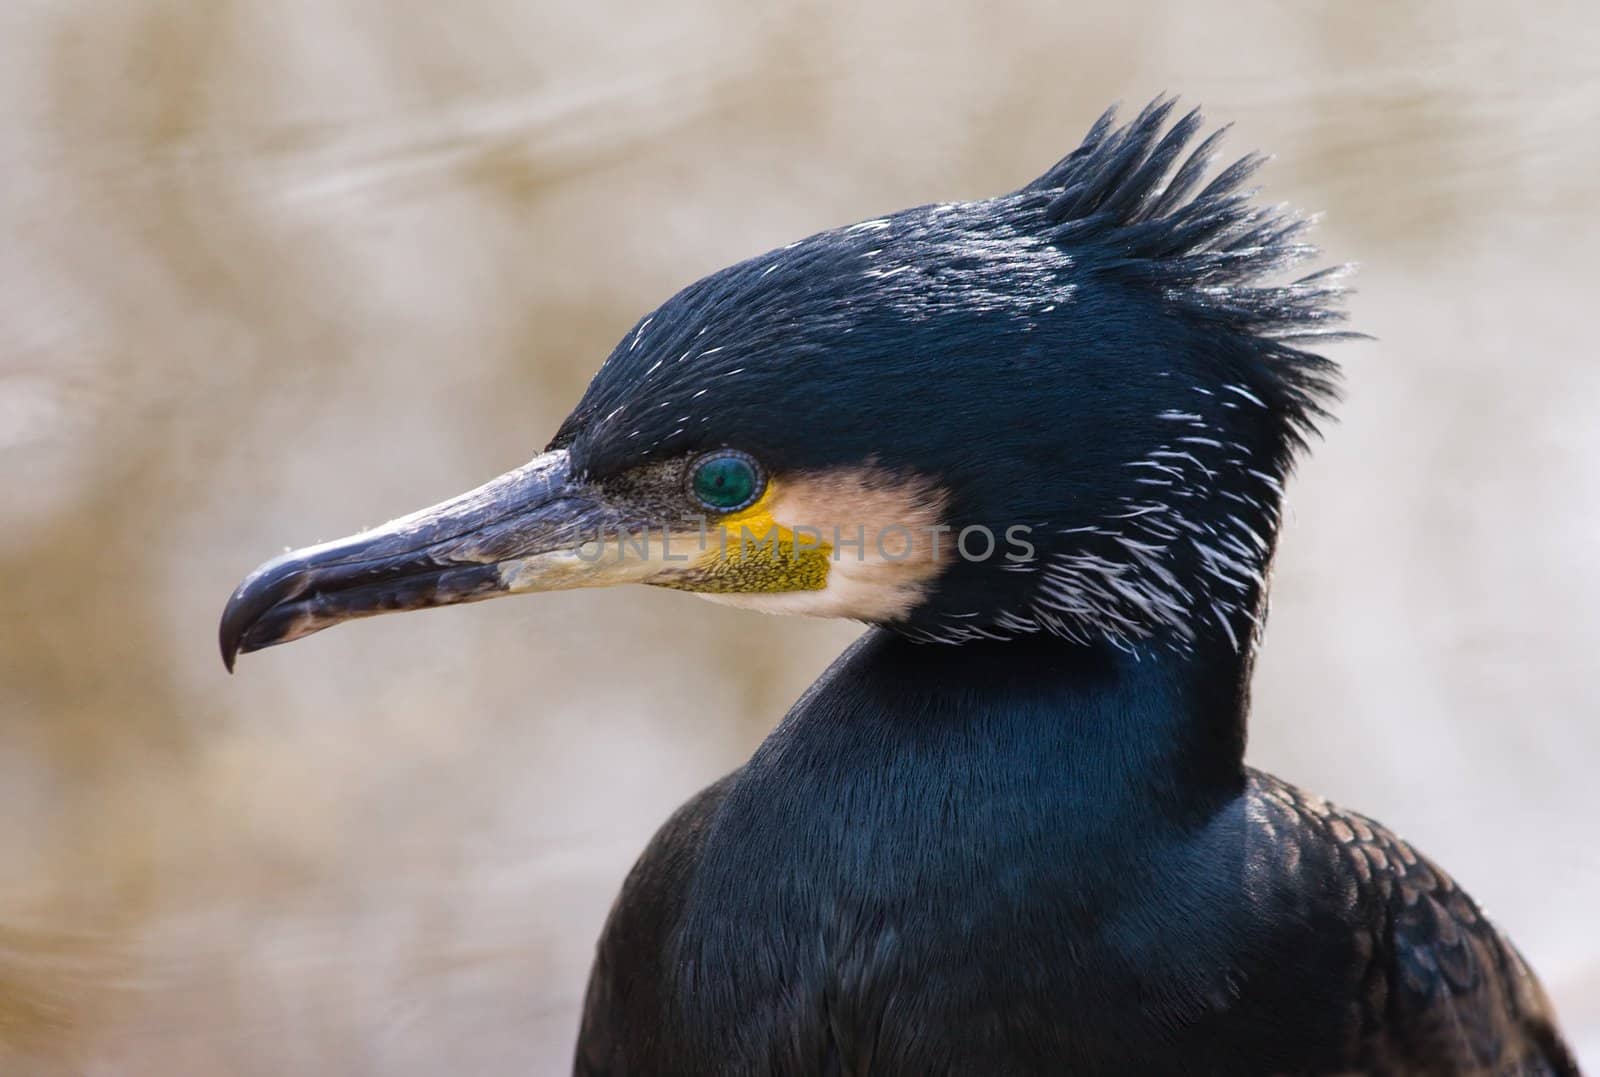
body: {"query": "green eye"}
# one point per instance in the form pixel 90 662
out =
pixel 725 481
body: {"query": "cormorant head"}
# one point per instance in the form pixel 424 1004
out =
pixel 1067 409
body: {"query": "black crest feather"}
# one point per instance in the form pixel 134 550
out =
pixel 1128 193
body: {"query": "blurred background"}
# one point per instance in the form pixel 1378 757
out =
pixel 271 272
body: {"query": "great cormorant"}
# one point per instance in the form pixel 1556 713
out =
pixel 1038 443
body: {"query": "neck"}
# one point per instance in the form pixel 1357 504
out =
pixel 962 792
pixel 1161 724
pixel 1095 735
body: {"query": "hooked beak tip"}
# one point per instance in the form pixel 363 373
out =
pixel 268 587
pixel 230 651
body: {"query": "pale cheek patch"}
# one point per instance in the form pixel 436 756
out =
pixel 880 534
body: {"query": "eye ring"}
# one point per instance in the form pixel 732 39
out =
pixel 726 480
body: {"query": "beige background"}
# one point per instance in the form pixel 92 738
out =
pixel 272 271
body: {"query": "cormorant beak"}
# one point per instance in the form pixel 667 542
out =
pixel 527 530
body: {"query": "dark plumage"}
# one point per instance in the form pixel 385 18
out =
pixel 1011 830
pixel 1016 859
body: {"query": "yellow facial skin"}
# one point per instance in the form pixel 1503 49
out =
pixel 750 552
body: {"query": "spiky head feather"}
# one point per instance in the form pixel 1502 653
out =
pixel 1105 356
